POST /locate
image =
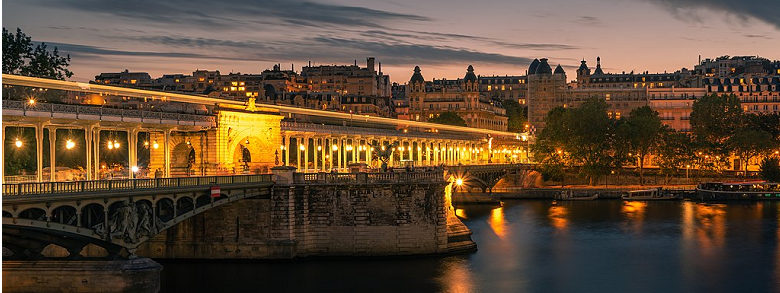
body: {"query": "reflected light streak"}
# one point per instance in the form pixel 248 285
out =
pixel 557 216
pixel 497 222
pixel 711 231
pixel 635 213
pixel 457 277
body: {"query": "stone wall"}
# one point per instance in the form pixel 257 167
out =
pixel 302 220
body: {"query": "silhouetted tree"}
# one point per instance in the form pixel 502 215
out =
pixel 449 118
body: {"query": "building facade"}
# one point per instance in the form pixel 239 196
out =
pixel 428 99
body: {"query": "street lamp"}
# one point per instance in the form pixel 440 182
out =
pixel 18 143
pixel 70 144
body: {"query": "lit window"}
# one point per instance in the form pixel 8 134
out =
pixel 133 81
pixel 201 79
pixel 235 83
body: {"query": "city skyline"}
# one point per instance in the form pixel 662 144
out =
pixel 497 37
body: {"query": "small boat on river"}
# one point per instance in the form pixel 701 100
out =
pixel 569 195
pixel 649 194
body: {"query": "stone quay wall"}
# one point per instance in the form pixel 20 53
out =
pixel 316 219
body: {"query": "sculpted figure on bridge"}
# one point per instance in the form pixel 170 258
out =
pixel 383 153
pixel 127 222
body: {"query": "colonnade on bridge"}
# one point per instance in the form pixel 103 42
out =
pixel 317 148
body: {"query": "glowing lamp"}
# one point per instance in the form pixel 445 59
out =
pixel 18 143
pixel 116 144
pixel 134 169
pixel 70 144
pixel 110 145
pixel 303 148
pixel 155 145
pixel 459 181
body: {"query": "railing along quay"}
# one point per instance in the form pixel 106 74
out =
pixel 40 188
pixel 384 177
pixel 102 111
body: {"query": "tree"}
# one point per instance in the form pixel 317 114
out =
pixel 517 114
pixel 449 118
pixel 644 128
pixel 749 143
pixel 583 134
pixel 675 151
pixel 770 169
pixel 19 57
pixel 714 120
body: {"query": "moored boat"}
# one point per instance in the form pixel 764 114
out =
pixel 757 190
pixel 649 194
pixel 569 195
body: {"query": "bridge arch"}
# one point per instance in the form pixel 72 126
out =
pixel 247 154
pixel 33 214
pixel 92 215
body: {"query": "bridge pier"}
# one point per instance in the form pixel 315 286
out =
pixel 104 276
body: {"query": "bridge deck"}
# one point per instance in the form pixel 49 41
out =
pixel 73 187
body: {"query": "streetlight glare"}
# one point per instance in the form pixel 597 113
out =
pixel 134 169
pixel 459 181
pixel 70 144
pixel 18 143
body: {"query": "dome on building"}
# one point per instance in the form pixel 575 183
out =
pixel 583 66
pixel 470 76
pixel 534 65
pixel 417 76
pixel 543 67
pixel 559 69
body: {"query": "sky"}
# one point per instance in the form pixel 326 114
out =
pixel 443 37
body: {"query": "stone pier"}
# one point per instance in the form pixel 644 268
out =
pixel 323 214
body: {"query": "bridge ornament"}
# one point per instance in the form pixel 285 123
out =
pixel 129 222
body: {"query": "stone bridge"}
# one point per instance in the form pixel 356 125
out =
pixel 483 177
pixel 117 215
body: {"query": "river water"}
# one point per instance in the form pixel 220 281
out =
pixel 537 246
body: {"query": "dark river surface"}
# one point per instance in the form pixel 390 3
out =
pixel 538 246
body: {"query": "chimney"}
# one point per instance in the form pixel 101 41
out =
pixel 380 68
pixel 370 63
pixel 309 63
pixel 355 62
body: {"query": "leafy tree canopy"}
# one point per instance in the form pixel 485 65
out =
pixel 449 118
pixel 20 57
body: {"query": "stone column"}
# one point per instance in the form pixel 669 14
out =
pixel 298 152
pixel 315 150
pixel 52 153
pixel 39 150
pixel 306 154
pixel 411 150
pixel 88 150
pixel 167 151
pixel 322 153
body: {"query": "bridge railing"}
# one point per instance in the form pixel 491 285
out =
pixel 101 111
pixel 38 188
pixel 491 166
pixel 385 177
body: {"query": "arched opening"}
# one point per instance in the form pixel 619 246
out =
pixel 64 215
pixel 184 205
pixel 182 160
pixel 7 215
pixel 164 210
pixel 92 215
pixel 247 158
pixel 203 200
pixel 33 214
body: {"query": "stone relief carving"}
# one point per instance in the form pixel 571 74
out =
pixel 131 221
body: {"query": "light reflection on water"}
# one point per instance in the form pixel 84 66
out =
pixel 535 246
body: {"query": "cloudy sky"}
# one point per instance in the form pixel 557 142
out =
pixel 499 37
